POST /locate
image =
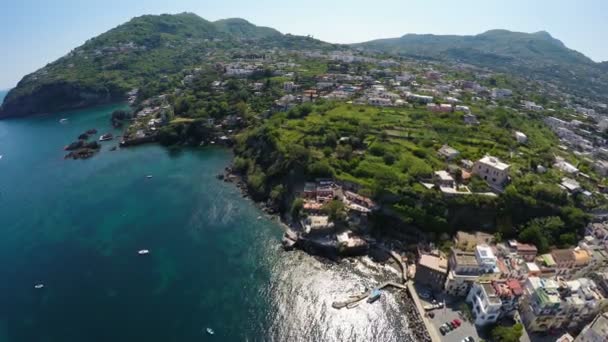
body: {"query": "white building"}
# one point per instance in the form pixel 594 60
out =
pixel 571 185
pixel 520 137
pixel 444 107
pixel 464 271
pixel 313 224
pixel 486 258
pixel 461 108
pixel 444 179
pixel 566 167
pixel 419 98
pixel 492 170
pixel 485 302
pixel 554 122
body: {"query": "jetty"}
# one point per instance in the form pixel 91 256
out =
pixel 399 260
pixel 357 298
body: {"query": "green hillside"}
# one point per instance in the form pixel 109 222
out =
pixel 145 49
pixel 532 55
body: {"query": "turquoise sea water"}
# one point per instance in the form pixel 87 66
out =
pixel 76 227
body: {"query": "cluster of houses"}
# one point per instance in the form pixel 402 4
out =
pixel 577 136
pixel 564 289
pixel 493 171
pixel 316 223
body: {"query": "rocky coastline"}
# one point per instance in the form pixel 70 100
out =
pixel 417 326
pixel 313 244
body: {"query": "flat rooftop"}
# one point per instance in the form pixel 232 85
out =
pixel 494 162
pixel 465 258
pixel 433 262
pixel 491 293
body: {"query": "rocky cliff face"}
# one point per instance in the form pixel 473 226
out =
pixel 56 97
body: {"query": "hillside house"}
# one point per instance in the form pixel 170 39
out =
pixel 444 179
pixel 521 137
pixel 419 98
pixel 492 170
pixel 485 302
pixel 448 152
pixel 439 108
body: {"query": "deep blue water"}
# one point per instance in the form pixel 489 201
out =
pixel 76 227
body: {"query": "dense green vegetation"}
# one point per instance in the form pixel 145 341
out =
pixel 177 64
pixel 389 151
pixel 507 334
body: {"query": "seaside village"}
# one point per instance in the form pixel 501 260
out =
pixel 480 281
pixel 550 294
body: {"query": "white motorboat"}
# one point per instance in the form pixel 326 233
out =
pixel 38 286
pixel 143 252
pixel 210 331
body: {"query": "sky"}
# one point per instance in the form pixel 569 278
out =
pixel 34 33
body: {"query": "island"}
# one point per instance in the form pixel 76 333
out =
pixel 396 149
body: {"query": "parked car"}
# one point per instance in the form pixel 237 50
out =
pixel 468 339
pixel 443 330
pixel 457 322
pixel 424 295
pixel 452 325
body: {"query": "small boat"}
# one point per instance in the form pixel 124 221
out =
pixel 374 296
pixel 106 137
pixel 143 252
pixel 1 156
pixel 64 120
pixel 352 305
pixel 210 331
pixel 38 286
pixel 149 176
pixel 259 217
